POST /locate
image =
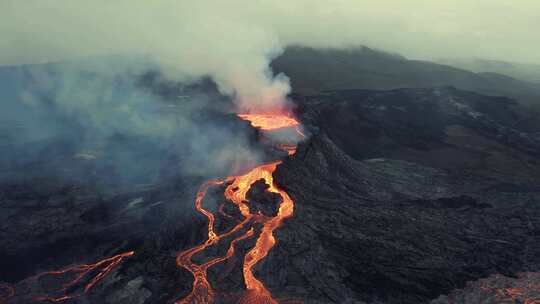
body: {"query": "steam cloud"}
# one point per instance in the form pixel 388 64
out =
pixel 97 120
pixel 233 41
pixel 94 103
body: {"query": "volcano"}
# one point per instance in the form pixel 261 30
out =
pixel 398 196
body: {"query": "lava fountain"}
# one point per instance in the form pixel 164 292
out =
pixel 236 193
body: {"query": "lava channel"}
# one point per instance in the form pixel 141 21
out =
pixel 236 193
pixel 74 276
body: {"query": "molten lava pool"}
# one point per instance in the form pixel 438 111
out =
pixel 270 122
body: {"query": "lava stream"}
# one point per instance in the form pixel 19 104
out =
pixel 290 149
pixel 270 122
pixel 266 239
pixel 236 192
pixel 74 275
pixel 202 291
pixel 273 122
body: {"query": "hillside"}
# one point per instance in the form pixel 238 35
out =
pixel 312 70
pixel 522 71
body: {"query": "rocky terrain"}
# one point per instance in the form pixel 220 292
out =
pixel 408 194
pixel 401 196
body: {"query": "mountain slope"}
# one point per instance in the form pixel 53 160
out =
pixel 312 70
pixel 522 71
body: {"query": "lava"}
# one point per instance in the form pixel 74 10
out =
pixel 86 276
pixel 273 122
pixel 270 122
pixel 95 273
pixel 74 275
pixel 290 149
pixel 103 268
pixel 236 192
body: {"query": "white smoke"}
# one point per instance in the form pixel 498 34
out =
pixel 233 41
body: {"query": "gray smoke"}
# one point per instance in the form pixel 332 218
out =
pixel 94 108
pixel 233 41
pixel 109 120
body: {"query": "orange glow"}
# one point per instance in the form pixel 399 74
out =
pixel 202 291
pixel 270 122
pixel 86 276
pixel 266 239
pixel 290 149
pixel 273 122
pixel 74 275
pixel 236 193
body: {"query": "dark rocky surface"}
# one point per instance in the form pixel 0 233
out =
pixel 400 196
pixel 523 288
pixel 408 194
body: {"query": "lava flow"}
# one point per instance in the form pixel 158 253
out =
pixel 272 122
pixel 290 149
pixel 236 193
pixel 103 267
pixel 74 276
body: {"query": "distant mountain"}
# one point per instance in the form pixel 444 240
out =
pixel 522 71
pixel 313 70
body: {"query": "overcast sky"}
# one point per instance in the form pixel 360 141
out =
pixel 234 40
pixel 496 29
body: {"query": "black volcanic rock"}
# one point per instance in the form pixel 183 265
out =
pixel 403 195
pixel 261 200
pixel 400 196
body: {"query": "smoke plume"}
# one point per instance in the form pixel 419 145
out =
pixel 233 41
pixel 90 105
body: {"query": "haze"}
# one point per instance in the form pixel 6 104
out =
pixel 233 41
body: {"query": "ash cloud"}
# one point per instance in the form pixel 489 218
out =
pixel 88 104
pixel 233 41
pixel 110 122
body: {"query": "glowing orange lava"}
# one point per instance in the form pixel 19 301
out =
pixel 103 268
pixel 290 149
pixel 270 122
pixel 236 193
pixel 266 239
pixel 73 276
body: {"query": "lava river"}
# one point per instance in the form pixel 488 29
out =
pixel 236 192
pixel 75 276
